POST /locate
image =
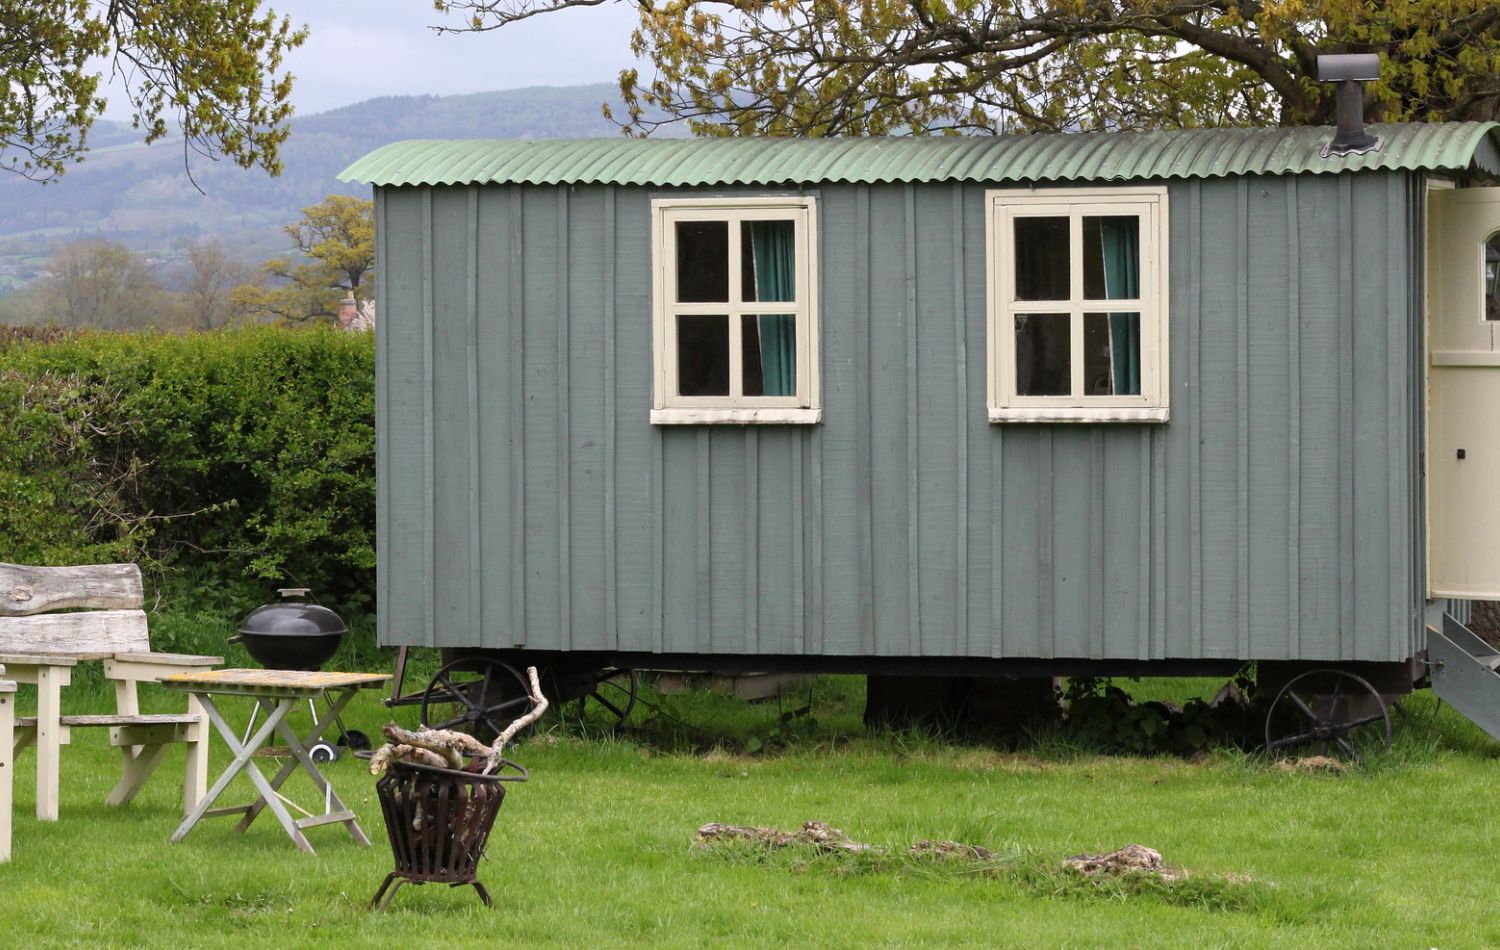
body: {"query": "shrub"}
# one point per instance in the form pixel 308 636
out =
pixel 226 463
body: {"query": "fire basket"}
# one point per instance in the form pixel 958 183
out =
pixel 438 821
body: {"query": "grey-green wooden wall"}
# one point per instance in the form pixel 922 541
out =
pixel 525 500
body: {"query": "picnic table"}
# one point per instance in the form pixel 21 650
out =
pixel 276 692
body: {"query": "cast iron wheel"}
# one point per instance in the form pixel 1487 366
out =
pixel 476 695
pixel 1331 713
pixel 615 691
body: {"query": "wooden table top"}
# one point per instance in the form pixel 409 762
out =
pixel 272 682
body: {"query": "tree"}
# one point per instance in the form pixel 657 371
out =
pixel 869 67
pixel 208 286
pixel 337 240
pixel 101 284
pixel 212 65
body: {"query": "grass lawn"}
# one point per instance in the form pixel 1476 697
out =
pixel 597 849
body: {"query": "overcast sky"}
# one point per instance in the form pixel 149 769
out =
pixel 359 49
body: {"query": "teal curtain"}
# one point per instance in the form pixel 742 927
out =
pixel 1121 242
pixel 774 245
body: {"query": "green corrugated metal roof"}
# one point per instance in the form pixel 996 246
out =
pixel 1194 153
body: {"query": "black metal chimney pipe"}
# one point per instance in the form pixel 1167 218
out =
pixel 1349 70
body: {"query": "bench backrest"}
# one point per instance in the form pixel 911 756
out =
pixel 107 597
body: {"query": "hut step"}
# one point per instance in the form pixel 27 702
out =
pixel 1465 673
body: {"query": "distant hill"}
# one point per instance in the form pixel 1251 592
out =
pixel 143 197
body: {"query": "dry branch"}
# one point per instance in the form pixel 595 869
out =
pixel 816 833
pixel 538 706
pixel 445 748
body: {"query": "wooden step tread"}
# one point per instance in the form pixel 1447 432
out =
pixel 29 722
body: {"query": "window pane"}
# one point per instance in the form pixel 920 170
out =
pixel 1043 354
pixel 768 261
pixel 770 354
pixel 1112 354
pixel 703 261
pixel 1111 257
pixel 1041 258
pixel 703 355
pixel 1492 278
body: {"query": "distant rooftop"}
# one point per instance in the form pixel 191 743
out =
pixel 1107 156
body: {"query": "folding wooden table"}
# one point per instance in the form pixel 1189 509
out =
pixel 276 692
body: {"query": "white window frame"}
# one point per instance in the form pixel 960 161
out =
pixel 1002 207
pixel 668 407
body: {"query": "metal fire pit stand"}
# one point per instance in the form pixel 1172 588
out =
pixel 278 692
pixel 438 821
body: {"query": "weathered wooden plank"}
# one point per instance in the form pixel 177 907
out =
pixel 1271 417
pixel 1293 588
pixel 25 591
pixel 1216 399
pixel 401 440
pixel 429 489
pixel 97 632
pixel 962 412
pixel 634 460
pixel 588 538
pixel 110 719
pixel 892 507
pixel 1320 443
pixel 542 249
pixel 273 682
pixel 450 468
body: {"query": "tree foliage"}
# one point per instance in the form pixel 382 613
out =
pixel 101 284
pixel 211 67
pixel 336 239
pixel 242 457
pixel 870 67
pixel 209 284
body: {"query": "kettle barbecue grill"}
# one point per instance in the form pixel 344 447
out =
pixel 293 634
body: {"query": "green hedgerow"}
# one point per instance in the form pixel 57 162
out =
pixel 226 463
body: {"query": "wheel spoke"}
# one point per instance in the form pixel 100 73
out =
pixel 504 705
pixel 1298 739
pixel 1303 708
pixel 1333 703
pixel 467 699
pixel 618 712
pixel 447 723
pixel 1364 721
pixel 1349 750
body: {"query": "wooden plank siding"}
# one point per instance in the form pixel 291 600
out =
pixel 525 499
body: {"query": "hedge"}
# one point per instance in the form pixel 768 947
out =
pixel 227 464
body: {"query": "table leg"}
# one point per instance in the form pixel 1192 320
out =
pixel 336 805
pixel 299 747
pixel 242 754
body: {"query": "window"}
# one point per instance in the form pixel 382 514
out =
pixel 735 310
pixel 1078 305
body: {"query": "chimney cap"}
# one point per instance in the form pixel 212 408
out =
pixel 1360 67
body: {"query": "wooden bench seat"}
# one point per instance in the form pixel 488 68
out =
pixel 146 719
pixel 105 625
